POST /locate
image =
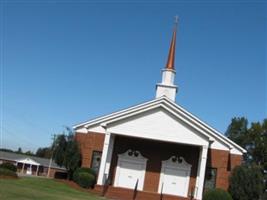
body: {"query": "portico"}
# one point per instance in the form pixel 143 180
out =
pixel 159 166
pixel 30 166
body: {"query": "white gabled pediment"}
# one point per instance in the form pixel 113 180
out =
pixel 28 161
pixel 158 124
pixel 161 119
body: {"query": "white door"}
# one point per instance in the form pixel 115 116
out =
pixel 29 170
pixel 175 182
pixel 129 173
pixel 175 177
pixel 130 168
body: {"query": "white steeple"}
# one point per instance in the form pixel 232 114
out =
pixel 167 87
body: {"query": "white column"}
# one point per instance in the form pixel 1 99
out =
pixel 37 170
pixel 109 156
pixel 203 154
pixel 101 174
pixel 23 166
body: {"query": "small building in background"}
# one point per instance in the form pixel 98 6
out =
pixel 32 165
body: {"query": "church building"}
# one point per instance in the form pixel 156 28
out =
pixel 157 149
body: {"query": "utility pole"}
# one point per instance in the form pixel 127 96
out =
pixel 52 152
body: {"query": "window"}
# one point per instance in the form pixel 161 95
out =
pixel 210 178
pixel 96 159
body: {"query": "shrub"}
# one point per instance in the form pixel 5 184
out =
pixel 217 194
pixel 85 179
pixel 83 169
pixel 88 170
pixel 7 173
pixel 9 166
pixel 246 183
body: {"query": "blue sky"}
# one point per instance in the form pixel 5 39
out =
pixel 64 62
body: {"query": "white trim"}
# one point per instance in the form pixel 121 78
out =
pixel 210 130
pixel 114 114
pixel 28 161
pixel 175 164
pixel 170 111
pixel 137 159
pixel 165 103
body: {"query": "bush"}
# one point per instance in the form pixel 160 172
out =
pixel 217 194
pixel 7 173
pixel 87 170
pixel 246 183
pixel 9 166
pixel 85 179
pixel 83 169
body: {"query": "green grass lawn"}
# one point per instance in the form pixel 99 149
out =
pixel 40 189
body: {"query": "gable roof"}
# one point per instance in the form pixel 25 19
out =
pixel 27 161
pixel 11 156
pixel 169 106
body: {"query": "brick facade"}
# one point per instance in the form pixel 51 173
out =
pixel 116 193
pixel 156 152
pixel 224 163
pixel 89 143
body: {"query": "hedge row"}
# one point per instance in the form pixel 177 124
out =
pixel 9 166
pixel 217 194
pixel 7 173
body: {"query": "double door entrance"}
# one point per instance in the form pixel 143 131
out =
pixel 174 175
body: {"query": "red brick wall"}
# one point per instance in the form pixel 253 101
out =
pixel 53 172
pixel 224 163
pixel 127 194
pixel 88 143
pixel 157 151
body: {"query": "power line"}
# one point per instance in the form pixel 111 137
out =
pixel 50 162
pixel 28 142
pixel 23 118
pixel 1 73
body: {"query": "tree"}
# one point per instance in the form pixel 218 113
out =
pixel 257 144
pixel 6 150
pixel 246 183
pixel 254 140
pixel 45 152
pixel 237 131
pixel 29 153
pixel 67 152
pixel 19 150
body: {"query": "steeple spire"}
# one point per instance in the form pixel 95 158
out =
pixel 171 57
pixel 167 87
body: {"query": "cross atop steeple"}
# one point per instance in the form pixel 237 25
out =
pixel 171 57
pixel 176 19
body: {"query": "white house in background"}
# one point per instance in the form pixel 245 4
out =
pixel 33 165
